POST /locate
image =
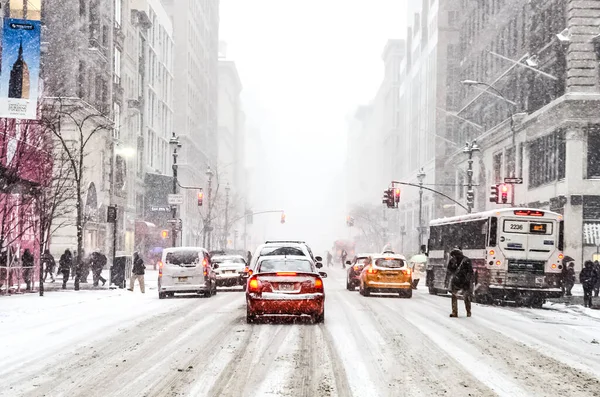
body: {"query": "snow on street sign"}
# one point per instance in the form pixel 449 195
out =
pixel 175 199
pixel 516 181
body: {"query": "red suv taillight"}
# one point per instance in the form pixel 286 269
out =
pixel 205 265
pixel 371 270
pixel 160 268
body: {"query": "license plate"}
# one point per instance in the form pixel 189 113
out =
pixel 286 287
pixel 182 279
pixel 539 280
pixel 230 271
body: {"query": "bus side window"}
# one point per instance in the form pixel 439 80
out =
pixel 493 232
pixel 561 235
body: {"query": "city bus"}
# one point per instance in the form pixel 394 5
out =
pixel 516 253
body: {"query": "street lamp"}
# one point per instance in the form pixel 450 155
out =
pixel 421 177
pixel 470 148
pixel 207 226
pixel 175 144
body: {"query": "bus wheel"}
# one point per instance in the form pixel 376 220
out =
pixel 432 290
pixel 537 302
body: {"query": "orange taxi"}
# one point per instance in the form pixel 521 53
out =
pixel 386 273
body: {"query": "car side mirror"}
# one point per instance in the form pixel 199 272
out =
pixel 318 265
pixel 319 258
pixel 216 266
pixel 323 274
pixel 348 263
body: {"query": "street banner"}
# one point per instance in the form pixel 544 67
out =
pixel 20 69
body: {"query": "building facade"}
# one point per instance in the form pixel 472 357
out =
pixel 549 135
pixel 196 37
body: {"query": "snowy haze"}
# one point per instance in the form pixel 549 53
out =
pixel 305 66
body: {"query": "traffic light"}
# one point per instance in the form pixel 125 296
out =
pixel 283 218
pixel 397 195
pixel 503 190
pixel 494 194
pixel 200 198
pixel 349 221
pixel 164 234
pixel 388 198
pixel 470 198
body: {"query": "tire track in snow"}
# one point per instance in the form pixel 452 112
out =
pixel 429 371
pixel 507 366
pixel 106 368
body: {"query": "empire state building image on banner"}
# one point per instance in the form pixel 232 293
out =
pixel 18 87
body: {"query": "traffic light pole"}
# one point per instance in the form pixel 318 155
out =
pixel 431 190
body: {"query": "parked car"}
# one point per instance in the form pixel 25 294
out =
pixel 186 270
pixel 387 273
pixel 286 285
pixel 232 270
pixel 354 269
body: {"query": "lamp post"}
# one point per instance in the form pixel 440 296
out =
pixel 174 142
pixel 470 148
pixel 226 229
pixel 207 226
pixel 421 177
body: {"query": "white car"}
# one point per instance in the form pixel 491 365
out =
pixel 231 271
pixel 276 248
pixel 186 270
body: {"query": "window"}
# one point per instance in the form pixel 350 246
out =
pixel 117 118
pixel 118 11
pixel 498 167
pixel 511 162
pixel 593 151
pixel 461 183
pixel 81 8
pixel 117 66
pixel 547 159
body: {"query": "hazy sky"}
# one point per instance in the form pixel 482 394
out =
pixel 305 65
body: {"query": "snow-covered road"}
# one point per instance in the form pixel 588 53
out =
pixel 117 343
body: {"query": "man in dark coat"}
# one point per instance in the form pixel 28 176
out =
pixel 597 286
pixel 97 262
pixel 64 267
pixel 570 279
pixel 460 275
pixel 138 272
pixel 49 265
pixel 588 279
pixel 27 265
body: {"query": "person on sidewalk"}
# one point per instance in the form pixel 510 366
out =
pixel 98 261
pixel 329 259
pixel 138 272
pixel 570 279
pixel 597 286
pixel 588 279
pixel 460 270
pixel 49 264
pixel 64 267
pixel 27 262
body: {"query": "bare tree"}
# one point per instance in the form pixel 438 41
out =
pixel 368 219
pixel 74 124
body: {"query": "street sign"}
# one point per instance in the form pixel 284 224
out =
pixel 515 181
pixel 175 199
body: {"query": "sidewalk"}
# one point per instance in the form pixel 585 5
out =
pixel 576 299
pixel 50 286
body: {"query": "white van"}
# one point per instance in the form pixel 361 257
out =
pixel 186 270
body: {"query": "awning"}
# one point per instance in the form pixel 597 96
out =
pixel 591 233
pixel 143 227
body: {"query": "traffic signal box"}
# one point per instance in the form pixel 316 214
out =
pixel 389 198
pixel 501 193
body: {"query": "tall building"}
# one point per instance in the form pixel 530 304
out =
pixel 18 86
pixel 78 71
pixel 541 56
pixel 231 141
pixel 196 30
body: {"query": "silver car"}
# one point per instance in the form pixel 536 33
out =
pixel 186 270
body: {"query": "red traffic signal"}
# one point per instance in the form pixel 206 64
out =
pixel 397 195
pixel 503 192
pixel 200 198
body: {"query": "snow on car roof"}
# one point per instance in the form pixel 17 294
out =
pixel 394 256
